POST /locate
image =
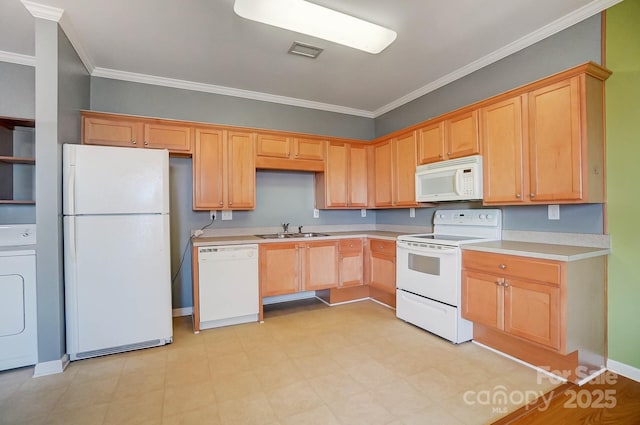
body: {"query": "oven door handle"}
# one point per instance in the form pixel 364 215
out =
pixel 425 250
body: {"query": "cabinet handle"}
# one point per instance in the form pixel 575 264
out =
pixel 505 284
pixel 296 155
pixel 230 203
pixel 221 202
pixel 146 143
pixel 499 282
pixel 532 195
pixel 503 266
pixel 518 196
pixel 448 153
pixel 133 142
pixel 439 155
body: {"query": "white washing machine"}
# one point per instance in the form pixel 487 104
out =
pixel 18 306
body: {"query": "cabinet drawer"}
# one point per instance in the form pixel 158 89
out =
pixel 383 247
pixel 509 265
pixel 350 245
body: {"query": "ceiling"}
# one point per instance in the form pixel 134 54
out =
pixel 203 45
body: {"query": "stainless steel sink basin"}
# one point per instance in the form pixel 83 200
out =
pixel 291 235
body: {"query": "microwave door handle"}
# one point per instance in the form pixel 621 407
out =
pixel 456 181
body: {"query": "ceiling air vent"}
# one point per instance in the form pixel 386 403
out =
pixel 305 50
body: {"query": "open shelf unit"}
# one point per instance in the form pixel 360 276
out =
pixel 17 161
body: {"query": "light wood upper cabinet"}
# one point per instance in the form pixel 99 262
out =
pixel 110 131
pixel 546 146
pixel 137 132
pixel 504 152
pixel 461 135
pixel 289 152
pixel 555 146
pixel 224 170
pixel 404 170
pixel 431 143
pixel 344 181
pixel 394 170
pixel 208 169
pixel 162 135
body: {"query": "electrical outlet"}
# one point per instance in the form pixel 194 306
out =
pixel 316 213
pixel 554 212
pixel 212 215
pixel 363 213
pixel 412 212
pixel 227 215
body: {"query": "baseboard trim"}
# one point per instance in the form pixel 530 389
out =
pixel 624 370
pixel 182 311
pixel 51 367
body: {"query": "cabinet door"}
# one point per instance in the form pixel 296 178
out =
pixel 175 138
pixel 461 135
pixel 404 170
pixel 241 171
pixel 320 265
pixel 112 131
pixel 208 160
pixel 382 272
pixel 555 149
pixel 273 145
pixel 482 298
pixel 357 176
pixel 309 149
pixel 279 269
pixel 336 174
pixel 431 143
pixel 351 262
pixel 383 173
pixel 532 311
pixel 502 141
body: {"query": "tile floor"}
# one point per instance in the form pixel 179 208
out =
pixel 349 364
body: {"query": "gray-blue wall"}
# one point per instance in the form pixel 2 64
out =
pixel 17 99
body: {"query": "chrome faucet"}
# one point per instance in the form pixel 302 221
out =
pixel 285 227
pixel 300 229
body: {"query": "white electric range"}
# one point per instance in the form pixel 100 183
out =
pixel 429 268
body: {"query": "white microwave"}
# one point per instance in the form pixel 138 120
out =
pixel 452 180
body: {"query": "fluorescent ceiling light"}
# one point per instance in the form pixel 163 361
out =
pixel 317 21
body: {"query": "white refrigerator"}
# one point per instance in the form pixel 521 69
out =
pixel 117 270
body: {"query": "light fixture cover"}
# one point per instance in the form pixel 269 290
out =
pixel 317 21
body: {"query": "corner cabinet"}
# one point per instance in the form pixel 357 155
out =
pixel 547 145
pixel 17 161
pixel 136 132
pixel 549 313
pixel 223 169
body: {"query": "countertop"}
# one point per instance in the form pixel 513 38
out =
pixel 245 239
pixel 538 250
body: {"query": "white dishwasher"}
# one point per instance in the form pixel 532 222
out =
pixel 228 285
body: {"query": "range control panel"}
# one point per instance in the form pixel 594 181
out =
pixel 17 234
pixel 471 217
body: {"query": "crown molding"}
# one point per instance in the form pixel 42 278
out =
pixel 548 30
pixel 42 11
pixel 17 58
pixel 67 27
pixel 226 91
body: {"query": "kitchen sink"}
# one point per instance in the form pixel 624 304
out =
pixel 291 235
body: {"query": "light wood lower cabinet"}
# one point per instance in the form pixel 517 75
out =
pixel 351 262
pixel 223 170
pixel 382 265
pixel 546 312
pixel 286 268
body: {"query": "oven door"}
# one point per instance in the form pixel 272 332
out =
pixel 429 271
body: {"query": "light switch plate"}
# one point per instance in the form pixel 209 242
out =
pixel 227 215
pixel 412 212
pixel 316 213
pixel 554 212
